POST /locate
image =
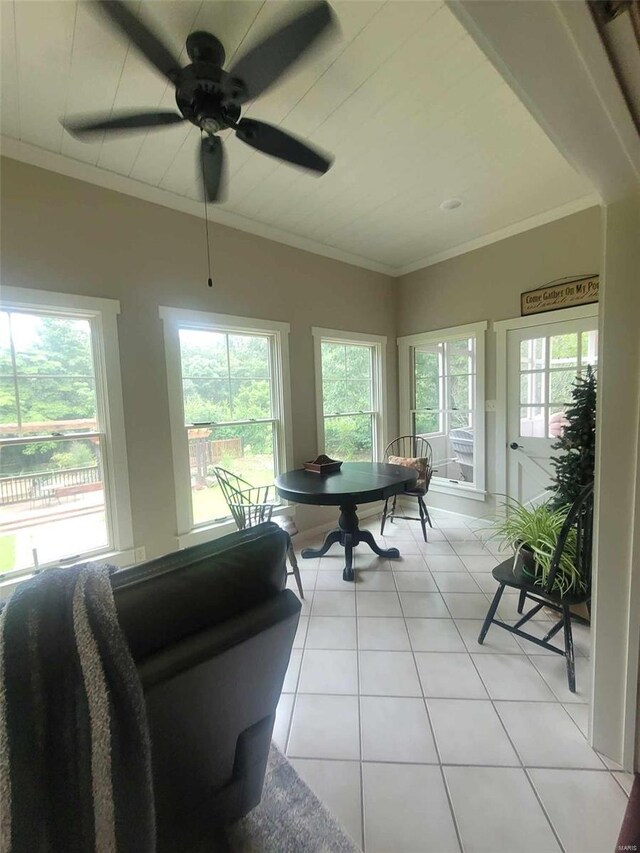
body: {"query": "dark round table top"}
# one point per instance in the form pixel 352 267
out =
pixel 354 483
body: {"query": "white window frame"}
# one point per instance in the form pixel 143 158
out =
pixel 378 344
pixel 102 315
pixel 175 319
pixel 475 490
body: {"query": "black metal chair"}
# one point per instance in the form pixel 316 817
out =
pixel 250 505
pixel 580 519
pixel 411 447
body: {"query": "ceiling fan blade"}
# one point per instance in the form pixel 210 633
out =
pixel 143 37
pixel 121 123
pixel 263 64
pixel 213 165
pixel 271 140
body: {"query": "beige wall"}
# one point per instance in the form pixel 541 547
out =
pixel 486 285
pixel 64 235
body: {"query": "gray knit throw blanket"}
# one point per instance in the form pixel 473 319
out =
pixel 75 762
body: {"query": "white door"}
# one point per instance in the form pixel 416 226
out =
pixel 542 364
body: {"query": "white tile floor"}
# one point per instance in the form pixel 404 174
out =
pixel 417 738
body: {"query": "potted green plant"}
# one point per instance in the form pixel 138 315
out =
pixel 533 534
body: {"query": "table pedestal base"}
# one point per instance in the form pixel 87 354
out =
pixel 348 534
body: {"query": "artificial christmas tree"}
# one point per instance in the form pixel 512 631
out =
pixel 574 469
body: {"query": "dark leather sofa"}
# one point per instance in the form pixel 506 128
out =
pixel 211 630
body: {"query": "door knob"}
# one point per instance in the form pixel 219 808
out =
pixel 515 446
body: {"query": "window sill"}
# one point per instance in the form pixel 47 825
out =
pixel 121 559
pixel 209 532
pixel 458 490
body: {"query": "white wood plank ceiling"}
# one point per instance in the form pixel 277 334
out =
pixel 408 104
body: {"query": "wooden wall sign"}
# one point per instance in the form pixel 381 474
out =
pixel 565 294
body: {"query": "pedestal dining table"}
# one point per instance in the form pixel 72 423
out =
pixel 355 483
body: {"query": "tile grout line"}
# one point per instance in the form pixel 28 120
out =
pixel 431 728
pixel 360 740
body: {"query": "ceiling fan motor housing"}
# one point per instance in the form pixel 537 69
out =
pixel 200 96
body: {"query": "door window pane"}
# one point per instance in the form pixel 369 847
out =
pixel 533 422
pixel 533 353
pixel 560 384
pixel 589 348
pixel 349 438
pixel 532 388
pixel 563 351
pixel 52 499
pixel 557 421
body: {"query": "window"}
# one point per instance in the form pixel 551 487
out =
pixel 60 443
pixel 548 367
pixel 442 399
pixel 228 392
pixel 350 394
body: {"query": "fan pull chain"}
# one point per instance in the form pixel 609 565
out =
pixel 206 223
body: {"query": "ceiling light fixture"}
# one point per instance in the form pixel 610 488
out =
pixel 451 204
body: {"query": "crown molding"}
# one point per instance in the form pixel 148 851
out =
pixel 14 149
pixel 527 224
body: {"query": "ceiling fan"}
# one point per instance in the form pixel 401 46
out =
pixel 211 98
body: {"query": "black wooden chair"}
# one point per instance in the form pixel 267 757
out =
pixel 580 519
pixel 411 447
pixel 250 505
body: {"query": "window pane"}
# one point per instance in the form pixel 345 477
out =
pixel 459 392
pixel 52 346
pixel 459 356
pixel 206 400
pixel 426 362
pixel 249 357
pixel 560 384
pixel 347 381
pixel 359 396
pixel 203 354
pixel 426 423
pixel 589 348
pixel 246 450
pixel 532 388
pixel 564 351
pixel 250 399
pixel 557 421
pixel 349 438
pixel 6 363
pixel 532 354
pixel 57 404
pixel 462 420
pixel 335 396
pixel 461 451
pixel 52 499
pixel 358 362
pixel 427 393
pixel 8 408
pixel 333 361
pixel 533 422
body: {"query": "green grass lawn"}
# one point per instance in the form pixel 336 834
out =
pixel 7 552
